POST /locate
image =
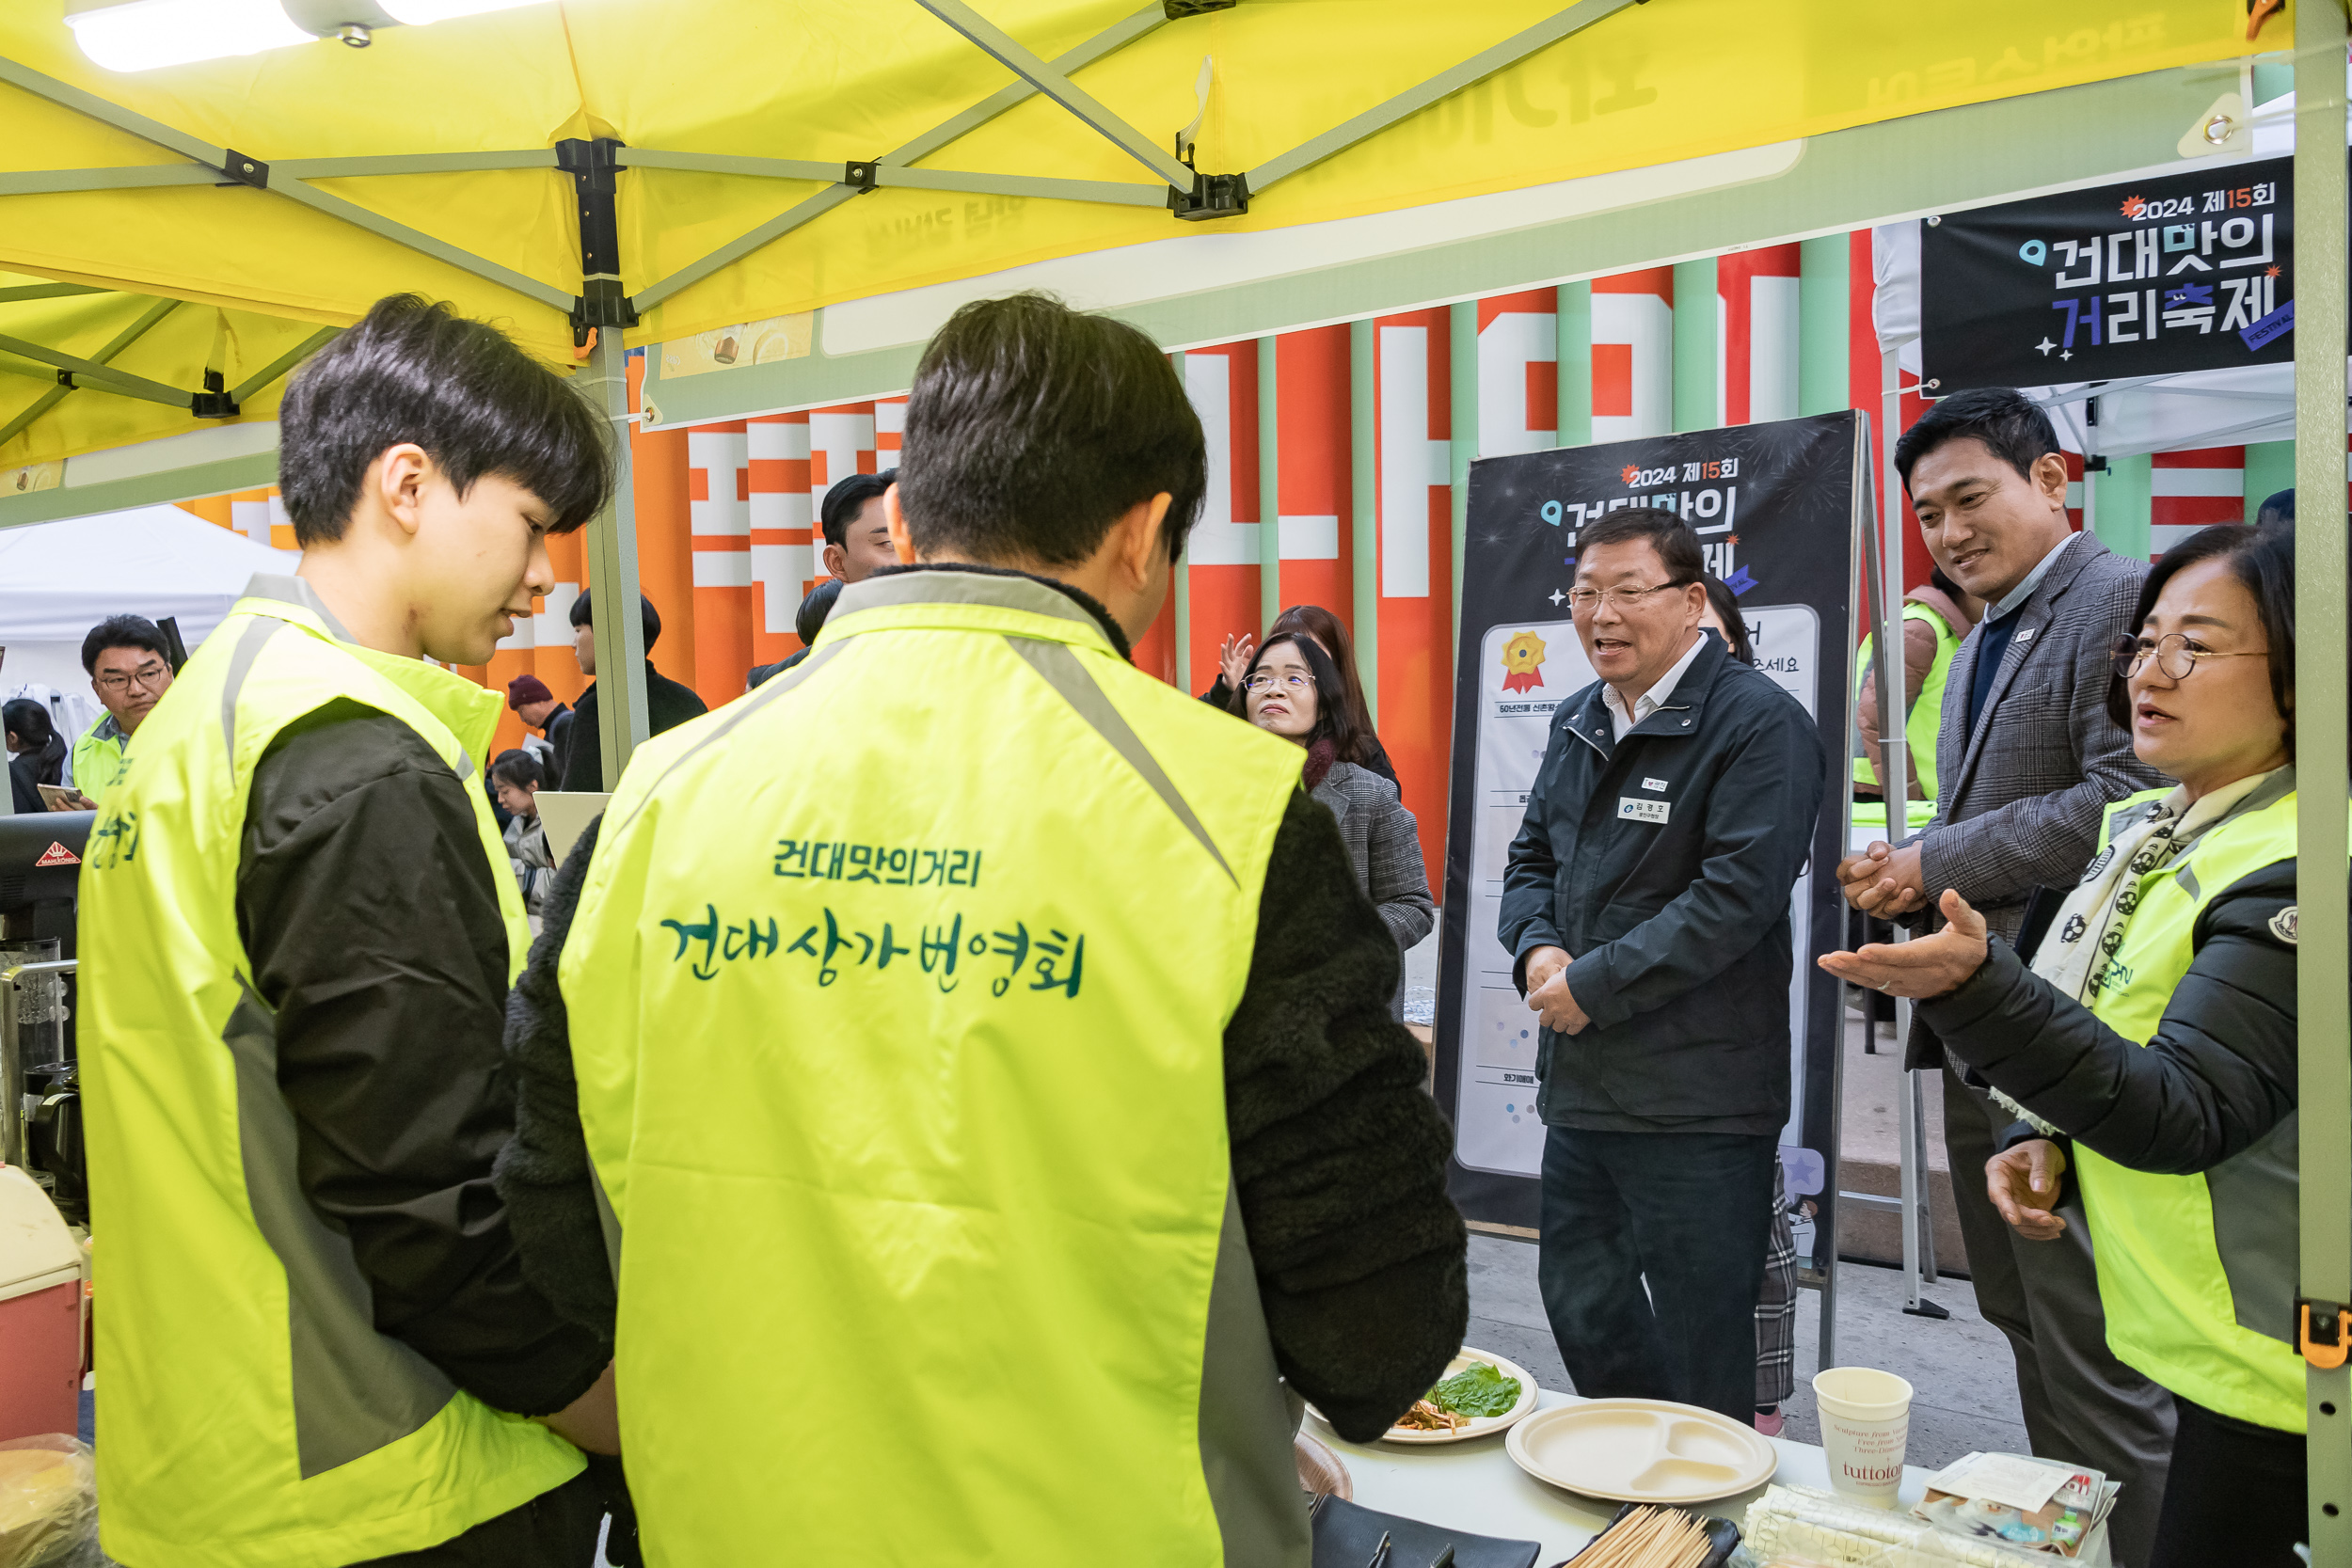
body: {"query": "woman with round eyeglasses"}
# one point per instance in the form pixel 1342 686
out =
pixel 2151 1044
pixel 1293 688
pixel 1330 634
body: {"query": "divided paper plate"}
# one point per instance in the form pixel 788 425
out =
pixel 1643 1451
pixel 1477 1426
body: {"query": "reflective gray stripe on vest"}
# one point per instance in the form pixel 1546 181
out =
pixel 355 1390
pixel 294 590
pixel 741 709
pixel 2256 1230
pixel 1066 675
pixel 241 659
pixel 1247 1418
pixel 607 1222
pixel 988 588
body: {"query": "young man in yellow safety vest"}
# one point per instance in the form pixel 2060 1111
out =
pixel 985 1119
pixel 318 1346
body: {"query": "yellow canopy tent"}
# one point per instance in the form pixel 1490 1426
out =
pixel 612 171
pixel 768 158
pixel 595 169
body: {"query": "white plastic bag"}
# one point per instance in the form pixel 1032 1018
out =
pixel 48 1503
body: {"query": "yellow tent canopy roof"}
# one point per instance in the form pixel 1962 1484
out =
pixel 777 155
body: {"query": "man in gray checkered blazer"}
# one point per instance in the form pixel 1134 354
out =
pixel 2027 760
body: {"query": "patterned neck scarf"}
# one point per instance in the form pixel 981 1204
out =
pixel 2088 931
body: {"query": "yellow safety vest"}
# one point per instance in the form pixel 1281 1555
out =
pixel 1920 727
pixel 254 1416
pixel 2198 1274
pixel 897 994
pixel 98 759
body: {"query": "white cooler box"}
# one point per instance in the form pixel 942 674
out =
pixel 41 1313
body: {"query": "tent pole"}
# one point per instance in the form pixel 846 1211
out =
pixel 1269 487
pixel 1895 791
pixel 58 394
pixel 1109 42
pixel 253 171
pixel 1008 52
pixel 51 290
pixel 612 589
pixel 102 379
pixel 67 96
pixel 2324 1092
pixel 283 363
pixel 52 181
pixel 1404 104
pixel 1121 192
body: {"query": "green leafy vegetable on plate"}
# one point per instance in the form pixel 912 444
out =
pixel 1477 1390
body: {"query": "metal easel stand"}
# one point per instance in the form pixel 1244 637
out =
pixel 1913 1202
pixel 1882 578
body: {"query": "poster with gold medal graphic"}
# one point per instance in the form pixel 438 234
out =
pixel 1777 509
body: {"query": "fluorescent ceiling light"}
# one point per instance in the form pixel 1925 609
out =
pixel 417 12
pixel 144 34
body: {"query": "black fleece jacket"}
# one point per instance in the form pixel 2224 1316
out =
pixel 369 914
pixel 1339 1156
pixel 2220 1073
pixel 668 704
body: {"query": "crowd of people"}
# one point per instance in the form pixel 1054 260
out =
pixel 2101 874
pixel 1043 1049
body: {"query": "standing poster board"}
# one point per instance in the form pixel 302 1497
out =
pixel 1778 509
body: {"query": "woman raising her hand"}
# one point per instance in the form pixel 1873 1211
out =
pixel 2152 1043
pixel 1235 653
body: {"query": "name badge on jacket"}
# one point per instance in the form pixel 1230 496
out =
pixel 1641 811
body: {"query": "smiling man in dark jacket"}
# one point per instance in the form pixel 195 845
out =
pixel 1647 901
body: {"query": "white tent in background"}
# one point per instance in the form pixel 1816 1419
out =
pixel 59 579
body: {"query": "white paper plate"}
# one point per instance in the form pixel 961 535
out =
pixel 1643 1451
pixel 1477 1426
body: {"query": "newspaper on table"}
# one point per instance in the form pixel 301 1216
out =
pixel 1800 1526
pixel 2042 1507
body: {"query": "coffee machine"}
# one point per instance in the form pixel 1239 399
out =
pixel 40 1100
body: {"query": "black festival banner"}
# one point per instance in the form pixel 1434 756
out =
pixel 2187 272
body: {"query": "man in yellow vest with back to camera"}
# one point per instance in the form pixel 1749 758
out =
pixel 318 1347
pixel 989 1119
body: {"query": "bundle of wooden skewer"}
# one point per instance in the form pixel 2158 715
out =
pixel 1649 1538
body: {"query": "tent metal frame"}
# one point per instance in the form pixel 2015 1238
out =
pixel 601 311
pixel 2324 989
pixel 1186 192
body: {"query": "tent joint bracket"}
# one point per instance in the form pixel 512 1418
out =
pixel 214 402
pixel 863 178
pixel 1212 196
pixel 595 167
pixel 243 171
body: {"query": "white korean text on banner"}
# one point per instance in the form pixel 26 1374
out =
pixel 1774 507
pixel 2187 272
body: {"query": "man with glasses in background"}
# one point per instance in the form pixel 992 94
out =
pixel 1647 905
pixel 130 668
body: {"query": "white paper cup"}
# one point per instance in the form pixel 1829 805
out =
pixel 1866 1424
